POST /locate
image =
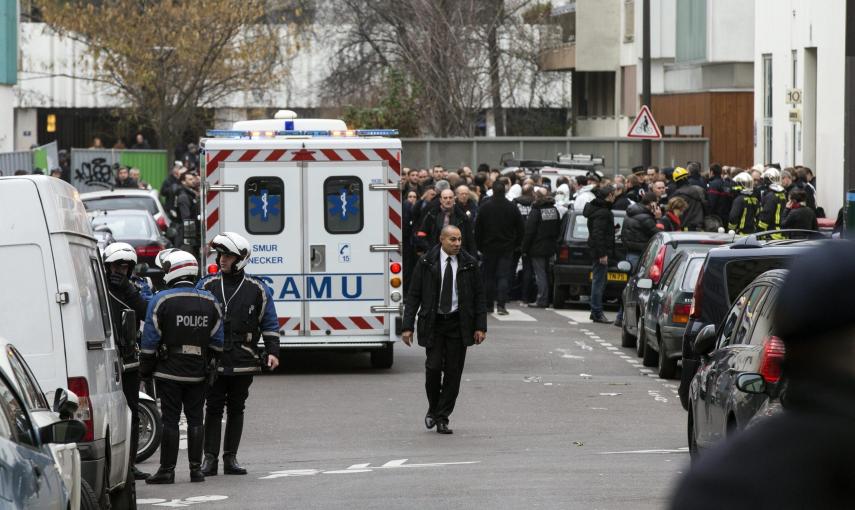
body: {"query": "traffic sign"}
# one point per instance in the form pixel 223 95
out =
pixel 645 125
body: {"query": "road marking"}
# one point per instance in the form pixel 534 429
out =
pixel 646 371
pixel 514 315
pixel 610 394
pixel 578 316
pixel 611 348
pixel 360 468
pixel 565 353
pixel 657 396
pixel 684 449
pixel 582 345
pixel 356 468
pixel 181 503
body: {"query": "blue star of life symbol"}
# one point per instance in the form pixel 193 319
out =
pixel 342 204
pixel 264 205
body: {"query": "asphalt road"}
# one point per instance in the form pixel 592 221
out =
pixel 552 413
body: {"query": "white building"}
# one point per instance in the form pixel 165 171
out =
pixel 800 44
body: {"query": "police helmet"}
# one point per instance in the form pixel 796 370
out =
pixel 745 180
pixel 179 264
pixel 121 252
pixel 161 256
pixel 233 244
pixel 679 174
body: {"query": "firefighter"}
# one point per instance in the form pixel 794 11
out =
pixel 183 330
pixel 249 315
pixel 743 212
pixel 773 202
pixel 127 292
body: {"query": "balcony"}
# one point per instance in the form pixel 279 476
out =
pixel 560 57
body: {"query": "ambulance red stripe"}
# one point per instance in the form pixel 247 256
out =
pixel 215 161
pixel 331 154
pixel 213 217
pixel 358 155
pixel 275 155
pixel 248 155
pixel 361 323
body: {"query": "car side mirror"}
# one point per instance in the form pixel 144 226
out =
pixel 705 341
pixel 65 403
pixel 624 266
pixel 129 328
pixel 645 284
pixel 62 432
pixel 751 383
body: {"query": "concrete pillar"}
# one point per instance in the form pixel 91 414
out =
pixel 7 119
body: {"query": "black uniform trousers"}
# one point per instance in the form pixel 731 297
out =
pixel 444 367
pixel 174 395
pixel 131 387
pixel 230 392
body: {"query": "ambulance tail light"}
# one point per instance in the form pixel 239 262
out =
pixel 395 282
pixel 80 387
pixel 212 269
pixel 395 267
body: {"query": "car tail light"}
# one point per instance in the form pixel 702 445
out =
pixel 772 359
pixel 564 254
pixel 695 311
pixel 150 250
pixel 161 223
pixel 655 271
pixel 680 314
pixel 80 387
pixel 395 267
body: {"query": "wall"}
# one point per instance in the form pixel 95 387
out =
pixel 26 128
pixel 804 24
pixel 598 35
pixel 730 25
pixel 7 118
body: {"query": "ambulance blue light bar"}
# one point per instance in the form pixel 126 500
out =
pixel 225 133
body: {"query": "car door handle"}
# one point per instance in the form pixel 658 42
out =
pixel 116 371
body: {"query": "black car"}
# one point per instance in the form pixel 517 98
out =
pixel 667 312
pixel 571 273
pixel 726 271
pixel 661 249
pixel 136 228
pixel 741 347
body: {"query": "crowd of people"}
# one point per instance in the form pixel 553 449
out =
pixel 515 237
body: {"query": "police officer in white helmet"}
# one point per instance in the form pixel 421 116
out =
pixel 249 315
pixel 183 330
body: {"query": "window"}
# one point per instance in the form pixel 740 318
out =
pixel 113 203
pixel 265 211
pixel 580 227
pixel 628 20
pixel 127 227
pixel 647 258
pixel 343 205
pixel 670 273
pixel 16 413
pixel 767 108
pixel 691 34
pixel 751 309
pixel 98 275
pixel 30 390
pixel 763 326
pixel 691 276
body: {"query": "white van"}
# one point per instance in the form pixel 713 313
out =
pixel 54 305
pixel 321 206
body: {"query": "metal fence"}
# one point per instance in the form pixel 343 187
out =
pixel 89 166
pixel 10 162
pixel 620 154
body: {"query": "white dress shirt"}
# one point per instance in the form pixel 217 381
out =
pixel 442 262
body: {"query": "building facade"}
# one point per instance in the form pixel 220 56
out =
pixel 799 61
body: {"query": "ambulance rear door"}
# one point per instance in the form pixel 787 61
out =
pixel 345 272
pixel 267 208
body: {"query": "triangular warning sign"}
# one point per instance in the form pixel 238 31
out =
pixel 645 125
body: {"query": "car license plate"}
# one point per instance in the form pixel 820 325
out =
pixel 612 277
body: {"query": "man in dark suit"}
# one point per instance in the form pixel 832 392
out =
pixel 447 295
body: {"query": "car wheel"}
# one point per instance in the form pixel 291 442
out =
pixel 383 357
pixel 559 296
pixel 88 498
pixel 626 340
pixel 667 366
pixel 649 357
pixel 126 497
pixel 640 339
pixel 150 431
pixel 690 430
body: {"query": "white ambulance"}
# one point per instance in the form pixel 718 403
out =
pixel 321 207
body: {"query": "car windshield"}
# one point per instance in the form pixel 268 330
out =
pixel 126 226
pixel 112 203
pixel 690 278
pixel 580 227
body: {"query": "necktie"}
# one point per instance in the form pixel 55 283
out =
pixel 447 284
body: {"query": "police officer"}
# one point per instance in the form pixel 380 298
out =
pixel 743 212
pixel 187 207
pixel 183 326
pixel 773 203
pixel 248 315
pixel 127 292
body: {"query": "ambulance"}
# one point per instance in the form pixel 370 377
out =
pixel 320 205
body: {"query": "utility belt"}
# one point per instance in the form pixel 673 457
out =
pixel 164 351
pixel 240 339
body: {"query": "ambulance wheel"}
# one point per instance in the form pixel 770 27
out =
pixel 382 357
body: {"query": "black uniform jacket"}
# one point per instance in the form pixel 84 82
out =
pixel 428 235
pixel 601 228
pixel 249 316
pixel 542 229
pixel 188 322
pixel 129 299
pixel 422 298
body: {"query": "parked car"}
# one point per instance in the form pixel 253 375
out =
pixel 743 343
pixel 138 229
pixel 661 249
pixel 667 312
pixel 571 272
pixel 59 316
pixel 726 271
pixel 38 451
pixel 142 200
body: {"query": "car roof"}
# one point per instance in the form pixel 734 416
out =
pixel 117 192
pixel 687 237
pixel 765 249
pixel 118 212
pixel 773 275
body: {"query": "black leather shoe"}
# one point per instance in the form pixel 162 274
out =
pixel 502 311
pixel 139 475
pixel 210 465
pixel 601 318
pixel 164 475
pixel 231 466
pixel 429 421
pixel 618 322
pixel 442 428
